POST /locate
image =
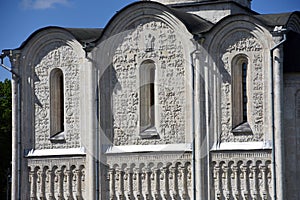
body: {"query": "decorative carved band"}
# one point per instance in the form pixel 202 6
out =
pixel 241 175
pixel 62 180
pixel 153 179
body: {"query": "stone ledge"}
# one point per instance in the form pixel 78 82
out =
pixel 184 147
pixel 242 146
pixel 55 152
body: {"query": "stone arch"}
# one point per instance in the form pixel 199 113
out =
pixel 41 45
pixel 232 38
pixel 123 38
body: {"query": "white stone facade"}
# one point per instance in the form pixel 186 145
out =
pixel 168 101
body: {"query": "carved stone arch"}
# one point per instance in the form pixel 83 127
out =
pixel 142 166
pixel 132 166
pixel 122 29
pixel 159 165
pixel 130 15
pixel 45 36
pixel 115 166
pixel 38 45
pixel 124 166
pixel 258 163
pixel 238 23
pixel 168 164
pixel 236 125
pixel 150 165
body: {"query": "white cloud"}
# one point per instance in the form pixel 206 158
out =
pixel 42 4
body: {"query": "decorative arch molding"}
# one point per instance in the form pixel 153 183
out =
pixel 238 23
pixel 45 36
pixel 52 48
pixel 128 18
pixel 231 39
pixel 156 41
pixel 138 33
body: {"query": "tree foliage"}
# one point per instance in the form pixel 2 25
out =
pixel 5 134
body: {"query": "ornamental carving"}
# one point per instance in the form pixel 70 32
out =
pixel 156 41
pixel 241 175
pixel 243 44
pixel 50 180
pixel 149 177
pixel 56 55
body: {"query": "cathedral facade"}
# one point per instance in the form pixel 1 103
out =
pixel 173 99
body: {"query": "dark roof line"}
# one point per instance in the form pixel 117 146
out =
pixel 190 4
pixel 82 35
pixel 280 19
pixel 193 23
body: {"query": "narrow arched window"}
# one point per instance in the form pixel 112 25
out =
pixel 56 104
pixel 244 91
pixel 147 96
pixel 240 95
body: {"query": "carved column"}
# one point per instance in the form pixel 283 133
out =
pixel 244 175
pixel 111 177
pixel 173 177
pixel 60 187
pixel 32 180
pixel 217 180
pixel 147 177
pixel 119 179
pixel 165 179
pixel 42 181
pixel 253 190
pixel 183 176
pixel 264 192
pixel 78 175
pixel 226 179
pixel 50 181
pixel 128 178
pixel 138 180
pixel 69 180
pixel 236 178
pixel 156 183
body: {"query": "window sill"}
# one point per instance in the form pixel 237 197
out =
pixel 149 133
pixel 58 137
pixel 243 128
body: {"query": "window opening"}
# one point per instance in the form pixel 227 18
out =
pixel 240 96
pixel 147 99
pixel 56 105
pixel 244 86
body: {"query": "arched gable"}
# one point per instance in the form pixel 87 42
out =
pixel 241 36
pixel 47 50
pixel 145 32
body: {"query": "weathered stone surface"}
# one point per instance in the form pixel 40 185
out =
pixel 210 126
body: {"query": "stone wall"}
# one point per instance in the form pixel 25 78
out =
pixel 61 56
pixel 243 44
pixel 158 42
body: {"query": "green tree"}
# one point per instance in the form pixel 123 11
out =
pixel 5 134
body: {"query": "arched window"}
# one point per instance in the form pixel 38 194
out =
pixel 240 92
pixel 147 98
pixel 56 105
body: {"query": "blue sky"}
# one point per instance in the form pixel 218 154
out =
pixel 20 18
